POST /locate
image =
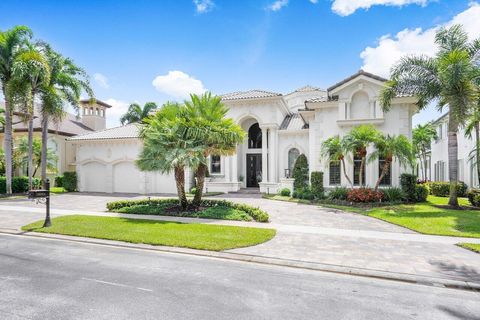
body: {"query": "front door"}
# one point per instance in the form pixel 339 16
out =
pixel 254 170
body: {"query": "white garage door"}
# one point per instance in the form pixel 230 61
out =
pixel 94 175
pixel 126 178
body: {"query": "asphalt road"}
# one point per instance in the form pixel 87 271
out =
pixel 51 279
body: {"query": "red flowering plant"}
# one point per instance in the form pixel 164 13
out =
pixel 364 195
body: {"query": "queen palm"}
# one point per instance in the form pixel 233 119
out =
pixel 334 149
pixel 391 148
pixel 208 126
pixel 357 142
pixel 136 113
pixel 422 136
pixel 449 78
pixel 12 42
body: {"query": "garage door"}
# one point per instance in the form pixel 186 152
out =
pixel 126 178
pixel 94 176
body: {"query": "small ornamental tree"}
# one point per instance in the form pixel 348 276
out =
pixel 300 173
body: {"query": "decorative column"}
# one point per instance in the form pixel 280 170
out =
pixel 227 170
pixel 264 155
pixel 235 167
pixel 272 151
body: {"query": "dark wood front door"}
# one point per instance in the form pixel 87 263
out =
pixel 254 170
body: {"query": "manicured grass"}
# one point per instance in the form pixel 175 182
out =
pixel 471 246
pixel 174 234
pixel 57 190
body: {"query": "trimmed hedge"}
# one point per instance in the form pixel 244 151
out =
pixel 408 183
pixel 300 173
pixel 256 213
pixel 442 189
pixel 474 197
pixel 422 191
pixel 59 181
pixel 19 184
pixel 364 195
pixel 316 182
pixel 285 192
pixel 70 181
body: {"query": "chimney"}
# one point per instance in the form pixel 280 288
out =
pixel 93 113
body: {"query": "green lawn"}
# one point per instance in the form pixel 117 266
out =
pixel 471 246
pixel 174 234
pixel 57 190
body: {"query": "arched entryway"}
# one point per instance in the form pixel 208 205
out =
pixel 254 156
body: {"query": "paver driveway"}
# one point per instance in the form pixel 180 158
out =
pixel 314 234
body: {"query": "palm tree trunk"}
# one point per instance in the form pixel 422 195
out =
pixel 345 173
pixel 382 175
pixel 8 142
pixel 422 167
pixel 44 147
pixel 201 171
pixel 360 173
pixel 453 160
pixel 30 150
pixel 477 140
pixel 180 182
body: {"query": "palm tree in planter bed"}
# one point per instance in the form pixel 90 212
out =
pixel 450 77
pixel 390 148
pixel 357 142
pixel 334 149
pixel 422 136
pixel 136 113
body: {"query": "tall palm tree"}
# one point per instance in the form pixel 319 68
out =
pixel 11 42
pixel 357 142
pixel 208 126
pixel 166 148
pixel 390 148
pixel 31 71
pixel 136 113
pixel 334 149
pixel 67 82
pixel 448 78
pixel 472 127
pixel 422 136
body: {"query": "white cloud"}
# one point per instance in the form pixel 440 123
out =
pixel 277 5
pixel 203 6
pixel 102 80
pixel 178 84
pixel 314 1
pixel 390 48
pixel 114 113
pixel 347 7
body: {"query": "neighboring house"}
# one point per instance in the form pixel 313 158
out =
pixel 437 166
pixel 280 127
pixel 91 118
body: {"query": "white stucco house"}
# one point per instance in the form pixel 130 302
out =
pixel 279 127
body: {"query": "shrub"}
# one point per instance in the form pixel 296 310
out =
pixel 393 194
pixel 300 173
pixel 59 181
pixel 70 181
pixel 305 194
pixel 473 196
pixel 193 190
pixel 338 193
pixel 316 182
pixel 256 213
pixel 285 192
pixel 364 195
pixel 442 189
pixel 422 191
pixel 19 184
pixel 408 183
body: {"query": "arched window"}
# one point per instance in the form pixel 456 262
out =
pixel 292 157
pixel 254 137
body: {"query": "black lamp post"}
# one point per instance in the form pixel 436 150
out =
pixel 47 222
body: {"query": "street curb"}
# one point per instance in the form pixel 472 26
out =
pixel 353 271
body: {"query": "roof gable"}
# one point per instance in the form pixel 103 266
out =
pixel 356 75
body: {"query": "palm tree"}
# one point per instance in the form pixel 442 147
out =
pixel 2 119
pixel 30 71
pixel 166 148
pixel 448 78
pixel 473 127
pixel 422 136
pixel 66 83
pixel 357 141
pixel 23 148
pixel 136 113
pixel 390 148
pixel 11 42
pixel 208 126
pixel 334 149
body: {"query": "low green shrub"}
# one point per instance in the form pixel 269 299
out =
pixel 408 183
pixel 304 193
pixel 193 190
pixel 338 193
pixel 160 204
pixel 58 181
pixel 422 191
pixel 442 189
pixel 19 184
pixel 70 181
pixel 393 194
pixel 285 192
pixel 316 183
pixel 473 196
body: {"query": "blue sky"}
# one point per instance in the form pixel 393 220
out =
pixel 225 46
